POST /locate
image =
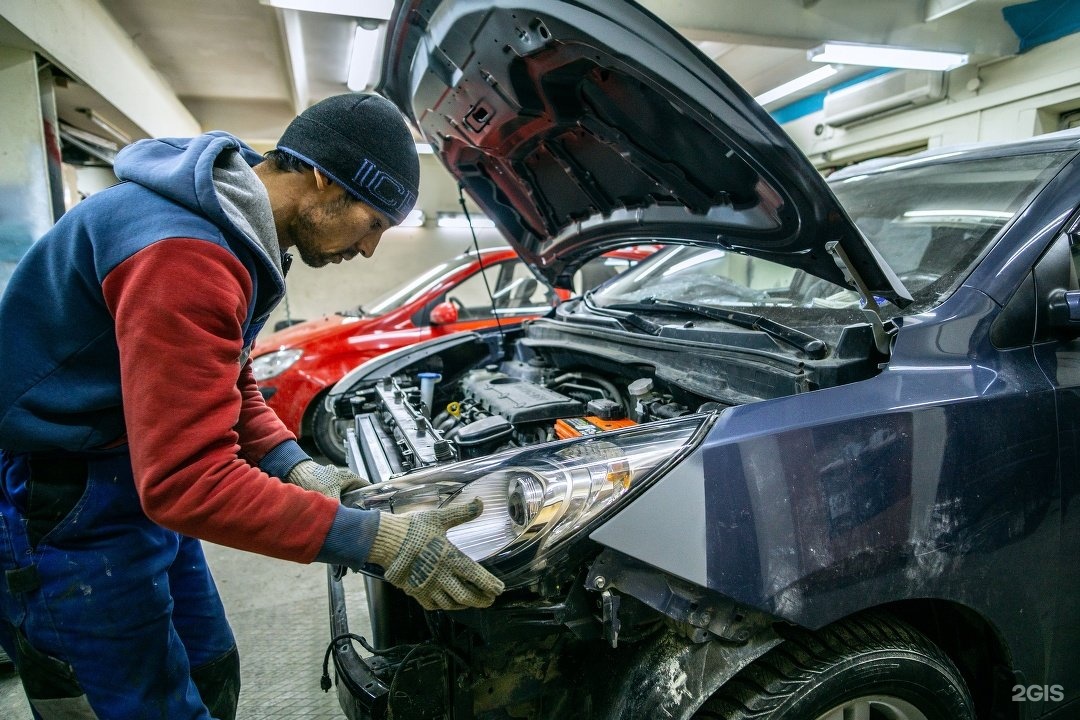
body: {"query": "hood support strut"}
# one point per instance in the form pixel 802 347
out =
pixel 882 338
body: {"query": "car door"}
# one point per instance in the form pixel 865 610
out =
pixel 507 291
pixel 1058 353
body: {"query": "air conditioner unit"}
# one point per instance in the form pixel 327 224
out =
pixel 896 91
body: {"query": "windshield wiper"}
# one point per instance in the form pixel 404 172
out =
pixel 627 318
pixel 357 312
pixel 812 346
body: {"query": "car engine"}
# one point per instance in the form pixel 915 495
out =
pixel 499 406
pixel 549 381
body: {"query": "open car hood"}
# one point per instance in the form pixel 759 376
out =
pixel 582 125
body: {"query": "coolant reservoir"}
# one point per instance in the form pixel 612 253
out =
pixel 640 391
pixel 427 390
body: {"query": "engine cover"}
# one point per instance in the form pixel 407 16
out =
pixel 520 401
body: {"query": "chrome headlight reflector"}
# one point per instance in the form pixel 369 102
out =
pixel 273 364
pixel 537 498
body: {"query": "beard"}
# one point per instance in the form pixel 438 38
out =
pixel 304 234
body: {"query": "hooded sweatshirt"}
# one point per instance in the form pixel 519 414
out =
pixel 131 321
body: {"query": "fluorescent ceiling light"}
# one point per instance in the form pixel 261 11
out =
pixel 458 220
pixel 794 86
pixel 999 214
pixel 424 149
pixel 365 47
pixel 886 56
pixel 378 9
pixel 415 218
pixel 88 137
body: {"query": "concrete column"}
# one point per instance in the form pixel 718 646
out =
pixel 25 197
pixel 51 126
pixel 81 38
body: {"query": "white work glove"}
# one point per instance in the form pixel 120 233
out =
pixel 418 558
pixel 329 480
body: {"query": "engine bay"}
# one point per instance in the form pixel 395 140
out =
pixel 498 407
pixel 549 381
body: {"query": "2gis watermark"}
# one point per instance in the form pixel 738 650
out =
pixel 1038 693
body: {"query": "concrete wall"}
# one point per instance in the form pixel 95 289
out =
pixel 25 197
pixel 402 254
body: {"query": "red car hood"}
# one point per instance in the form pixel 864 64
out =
pixel 308 331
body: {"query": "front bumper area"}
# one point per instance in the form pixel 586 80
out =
pixel 409 681
pixel 360 692
pixel 603 656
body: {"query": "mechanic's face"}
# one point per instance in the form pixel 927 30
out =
pixel 334 229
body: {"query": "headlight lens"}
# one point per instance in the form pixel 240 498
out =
pixel 537 498
pixel 273 364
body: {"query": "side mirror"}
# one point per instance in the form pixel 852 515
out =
pixel 1065 309
pixel 444 313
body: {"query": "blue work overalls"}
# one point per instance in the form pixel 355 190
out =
pixel 107 614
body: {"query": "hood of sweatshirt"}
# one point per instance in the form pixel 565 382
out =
pixel 210 175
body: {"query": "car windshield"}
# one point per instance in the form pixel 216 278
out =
pixel 401 296
pixel 930 221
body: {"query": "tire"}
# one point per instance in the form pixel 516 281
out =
pixel 328 433
pixel 871 666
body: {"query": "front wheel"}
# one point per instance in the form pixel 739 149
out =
pixel 328 432
pixel 870 667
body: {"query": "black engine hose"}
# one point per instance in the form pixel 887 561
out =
pixel 606 385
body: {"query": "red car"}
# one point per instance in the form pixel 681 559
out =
pixel 297 365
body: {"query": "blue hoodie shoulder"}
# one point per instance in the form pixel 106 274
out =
pixel 61 388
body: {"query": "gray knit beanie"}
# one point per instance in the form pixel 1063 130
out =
pixel 362 143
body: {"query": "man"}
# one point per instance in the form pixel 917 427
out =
pixel 130 422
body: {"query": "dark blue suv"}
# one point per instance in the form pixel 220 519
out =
pixel 813 461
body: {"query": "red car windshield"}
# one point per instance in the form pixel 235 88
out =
pixel 415 289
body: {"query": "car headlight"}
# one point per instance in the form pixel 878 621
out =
pixel 538 498
pixel 273 364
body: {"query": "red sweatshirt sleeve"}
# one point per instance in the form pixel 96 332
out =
pixel 259 428
pixel 179 305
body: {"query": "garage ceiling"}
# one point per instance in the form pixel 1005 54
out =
pixel 247 67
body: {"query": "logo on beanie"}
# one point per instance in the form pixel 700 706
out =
pixel 383 188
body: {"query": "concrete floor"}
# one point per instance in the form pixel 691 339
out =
pixel 279 613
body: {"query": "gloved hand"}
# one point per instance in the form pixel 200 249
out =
pixel 329 480
pixel 418 558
